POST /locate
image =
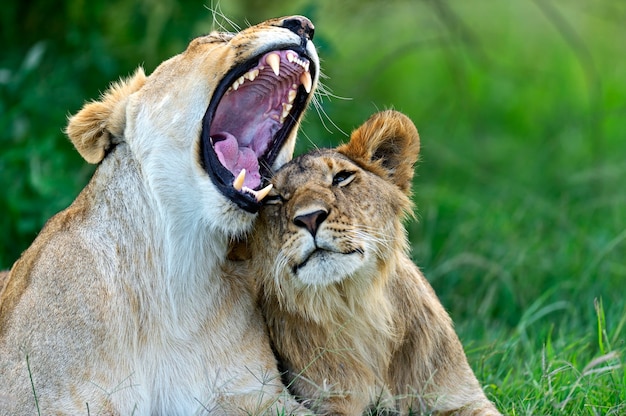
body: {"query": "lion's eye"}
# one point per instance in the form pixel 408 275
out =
pixel 273 199
pixel 343 178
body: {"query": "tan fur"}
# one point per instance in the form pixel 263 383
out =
pixel 353 321
pixel 120 306
pixel 4 274
pixel 94 129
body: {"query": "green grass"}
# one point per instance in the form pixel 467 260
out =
pixel 520 193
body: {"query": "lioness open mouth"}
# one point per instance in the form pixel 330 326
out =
pixel 252 112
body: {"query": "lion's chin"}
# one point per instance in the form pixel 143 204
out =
pixel 252 116
pixel 323 268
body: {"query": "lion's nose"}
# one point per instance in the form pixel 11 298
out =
pixel 311 220
pixel 301 26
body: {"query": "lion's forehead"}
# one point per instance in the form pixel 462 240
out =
pixel 308 181
pixel 311 170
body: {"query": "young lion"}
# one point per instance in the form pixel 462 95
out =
pixel 120 306
pixel 353 321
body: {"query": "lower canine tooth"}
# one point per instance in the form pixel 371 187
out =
pixel 306 81
pixel 273 60
pixel 262 193
pixel 238 182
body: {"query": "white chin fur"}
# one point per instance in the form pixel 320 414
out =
pixel 326 268
pixel 183 190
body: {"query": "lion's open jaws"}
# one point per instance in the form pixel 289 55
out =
pixel 248 123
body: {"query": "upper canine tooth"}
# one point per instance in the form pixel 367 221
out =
pixel 262 193
pixel 273 60
pixel 306 81
pixel 238 182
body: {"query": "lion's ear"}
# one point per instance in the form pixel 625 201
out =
pixel 95 128
pixel 386 144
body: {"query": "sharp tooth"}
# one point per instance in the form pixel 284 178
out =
pixel 292 95
pixel 306 81
pixel 286 109
pixel 262 193
pixel 247 190
pixel 251 75
pixel 238 182
pixel 273 60
pixel 240 80
pixel 291 56
pixel 235 85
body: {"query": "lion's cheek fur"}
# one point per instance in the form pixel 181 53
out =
pixel 178 178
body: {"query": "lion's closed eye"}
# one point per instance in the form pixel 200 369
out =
pixel 273 199
pixel 343 178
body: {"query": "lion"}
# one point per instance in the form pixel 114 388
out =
pixel 120 305
pixel 354 323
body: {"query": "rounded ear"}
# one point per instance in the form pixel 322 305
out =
pixel 94 128
pixel 388 145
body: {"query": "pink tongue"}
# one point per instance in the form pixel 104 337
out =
pixel 235 158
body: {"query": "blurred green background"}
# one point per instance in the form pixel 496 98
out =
pixel 521 106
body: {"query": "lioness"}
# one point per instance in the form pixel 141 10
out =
pixel 353 321
pixel 120 305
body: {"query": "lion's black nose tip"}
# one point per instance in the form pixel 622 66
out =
pixel 311 221
pixel 301 26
